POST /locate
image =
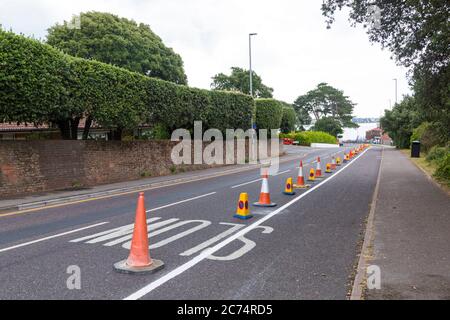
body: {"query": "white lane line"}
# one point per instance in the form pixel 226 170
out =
pixel 207 252
pixel 51 237
pixel 182 201
pixel 256 180
pixel 245 183
pixel 278 173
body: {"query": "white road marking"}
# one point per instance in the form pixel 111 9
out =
pixel 248 245
pixel 51 237
pixel 209 242
pixel 207 252
pixel 245 183
pixel 285 171
pixel 150 227
pixel 182 201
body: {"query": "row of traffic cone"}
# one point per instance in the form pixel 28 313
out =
pixel 139 260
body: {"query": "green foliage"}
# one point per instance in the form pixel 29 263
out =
pixel 230 110
pixel 305 138
pixel 437 153
pixel 289 119
pixel 239 80
pixel 418 35
pixel 328 125
pixel 427 134
pixel 269 113
pixel 326 101
pixel 443 170
pixel 32 80
pixel 118 41
pixel 401 120
pixel 40 84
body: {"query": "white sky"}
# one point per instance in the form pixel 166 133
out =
pixel 293 50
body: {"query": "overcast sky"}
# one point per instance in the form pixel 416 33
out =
pixel 293 50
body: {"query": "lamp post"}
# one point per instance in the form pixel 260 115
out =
pixel 395 79
pixel 250 60
pixel 253 147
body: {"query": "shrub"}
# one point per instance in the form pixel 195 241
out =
pixel 427 134
pixel 443 170
pixel 268 114
pixel 436 153
pixel 289 119
pixel 305 138
pixel 40 84
pixel 230 110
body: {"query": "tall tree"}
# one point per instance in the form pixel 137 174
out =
pixel 239 80
pixel 401 120
pixel 417 32
pixel 326 101
pixel 108 38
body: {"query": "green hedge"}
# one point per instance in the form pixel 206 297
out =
pixel 289 119
pixel 268 113
pixel 305 138
pixel 40 84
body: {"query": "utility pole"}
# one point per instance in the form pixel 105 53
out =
pixel 395 79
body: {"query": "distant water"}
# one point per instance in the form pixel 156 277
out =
pixel 358 133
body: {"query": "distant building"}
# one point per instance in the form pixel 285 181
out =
pixel 376 135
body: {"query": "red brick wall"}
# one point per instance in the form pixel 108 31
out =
pixel 36 166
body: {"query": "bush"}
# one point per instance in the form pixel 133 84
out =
pixel 268 114
pixel 436 153
pixel 427 134
pixel 289 119
pixel 305 138
pixel 443 170
pixel 328 125
pixel 40 84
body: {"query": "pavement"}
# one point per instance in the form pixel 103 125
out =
pixel 304 248
pixel 411 233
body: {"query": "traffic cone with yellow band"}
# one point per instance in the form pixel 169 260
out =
pixel 243 211
pixel 328 168
pixel 338 161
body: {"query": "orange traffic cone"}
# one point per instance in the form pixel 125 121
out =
pixel 318 169
pixel 300 178
pixel 289 188
pixel 243 212
pixel 139 260
pixel 264 196
pixel 328 168
pixel 312 176
pixel 333 163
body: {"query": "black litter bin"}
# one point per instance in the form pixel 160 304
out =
pixel 415 149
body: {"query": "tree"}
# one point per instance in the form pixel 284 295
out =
pixel 325 101
pixel 289 119
pixel 118 41
pixel 401 120
pixel 418 35
pixel 329 125
pixel 239 80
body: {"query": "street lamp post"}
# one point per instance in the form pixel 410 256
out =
pixel 253 147
pixel 250 60
pixel 395 79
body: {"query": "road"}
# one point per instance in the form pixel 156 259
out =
pixel 304 248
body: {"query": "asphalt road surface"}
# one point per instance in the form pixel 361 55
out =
pixel 304 248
